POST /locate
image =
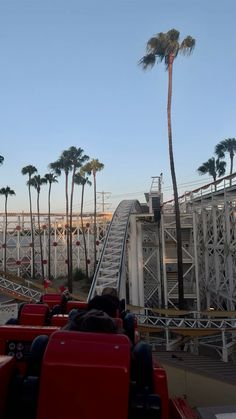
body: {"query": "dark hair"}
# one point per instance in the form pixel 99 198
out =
pixel 107 303
pixel 91 321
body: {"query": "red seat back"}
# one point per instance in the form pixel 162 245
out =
pixel 92 373
pixel 82 305
pixel 6 371
pixel 119 322
pixel 34 314
pixel 16 340
pixel 161 388
pixel 59 320
pixel 52 299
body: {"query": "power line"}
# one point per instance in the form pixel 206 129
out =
pixel 104 195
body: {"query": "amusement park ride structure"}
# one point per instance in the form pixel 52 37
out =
pixel 137 257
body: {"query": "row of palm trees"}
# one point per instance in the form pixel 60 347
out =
pixel 215 166
pixel 76 167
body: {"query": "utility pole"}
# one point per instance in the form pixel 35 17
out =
pixel 104 196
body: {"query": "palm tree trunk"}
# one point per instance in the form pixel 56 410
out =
pixel 5 237
pixel 32 232
pixel 67 234
pixel 214 177
pixel 95 222
pixel 175 190
pixel 70 277
pixel 40 240
pixel 231 166
pixel 49 231
pixel 83 233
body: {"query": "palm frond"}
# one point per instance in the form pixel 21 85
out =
pixel 147 61
pixel 220 167
pixel 152 44
pixel 28 170
pixel 173 35
pixel 202 170
pixel 50 178
pixel 187 46
pixel 7 191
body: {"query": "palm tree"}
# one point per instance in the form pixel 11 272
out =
pixel 77 160
pixel 30 170
pixel 6 192
pixel 1 160
pixel 165 47
pixel 50 178
pixel 213 167
pixel 227 146
pixel 63 164
pixel 37 181
pixel 82 179
pixel 93 167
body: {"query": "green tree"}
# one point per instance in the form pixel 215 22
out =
pixel 50 179
pixel 227 146
pixel 6 192
pixel 213 167
pixel 82 179
pixel 93 167
pixel 30 170
pixel 37 181
pixel 166 47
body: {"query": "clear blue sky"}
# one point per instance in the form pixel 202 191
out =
pixel 69 76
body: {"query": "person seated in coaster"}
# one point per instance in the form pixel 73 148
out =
pixel 91 321
pixel 107 303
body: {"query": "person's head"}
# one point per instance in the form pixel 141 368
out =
pixel 107 303
pixel 110 291
pixel 91 321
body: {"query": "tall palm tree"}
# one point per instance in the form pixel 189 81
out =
pixel 93 167
pixel 37 181
pixel 6 192
pixel 50 179
pixel 227 146
pixel 166 47
pixel 213 167
pixel 77 160
pixel 30 170
pixel 63 164
pixel 82 179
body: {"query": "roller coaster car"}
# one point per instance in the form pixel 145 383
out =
pixel 87 376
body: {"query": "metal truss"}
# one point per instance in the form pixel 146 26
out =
pixel 216 237
pixel 111 270
pixel 18 247
pixel 169 256
pixel 212 243
pixel 199 323
pixel 190 333
pixel 19 290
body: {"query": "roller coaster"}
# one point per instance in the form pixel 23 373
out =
pixel 128 242
pixel 133 385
